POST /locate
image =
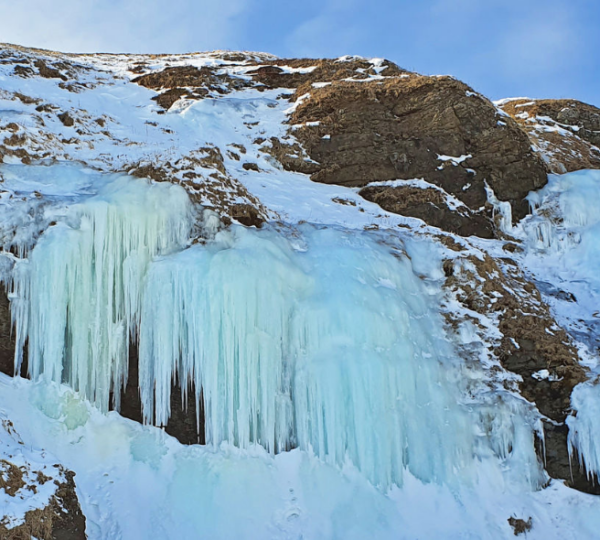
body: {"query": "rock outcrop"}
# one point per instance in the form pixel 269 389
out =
pixel 565 132
pixel 58 517
pixel 361 122
pixel 413 126
pixel 531 342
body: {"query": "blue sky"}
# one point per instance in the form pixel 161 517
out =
pixel 503 48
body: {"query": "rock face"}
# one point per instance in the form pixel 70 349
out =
pixel 430 205
pixel 565 132
pixel 412 126
pixel 531 341
pixel 7 343
pixel 361 123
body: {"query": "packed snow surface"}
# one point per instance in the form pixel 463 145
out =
pixel 135 482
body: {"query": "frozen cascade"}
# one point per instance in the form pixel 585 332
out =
pixel 76 300
pixel 322 339
pixel 333 346
pixel 563 234
pixel 584 428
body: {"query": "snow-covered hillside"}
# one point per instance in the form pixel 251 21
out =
pixel 173 251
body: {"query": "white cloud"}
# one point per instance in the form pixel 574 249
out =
pixel 121 25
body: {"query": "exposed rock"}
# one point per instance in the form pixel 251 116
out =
pixel 429 205
pixel 306 71
pixel 249 166
pixel 47 71
pixel 247 215
pixel 7 341
pixel 205 178
pixel 189 81
pixel 565 132
pixel 47 64
pixel 66 119
pixel 61 519
pixel 520 526
pixel 195 83
pixel 166 99
pixel 184 423
pixel 289 154
pixel 410 127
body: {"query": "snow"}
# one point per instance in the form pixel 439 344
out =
pixel 454 160
pixel 503 101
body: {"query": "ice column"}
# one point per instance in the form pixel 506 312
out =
pixel 334 348
pixel 76 301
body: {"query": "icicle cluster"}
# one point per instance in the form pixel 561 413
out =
pixel 322 339
pixel 76 300
pixel 334 349
pixel 584 428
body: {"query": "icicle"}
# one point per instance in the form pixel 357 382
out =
pixel 325 340
pixel 77 299
pixel 335 349
pixel 502 210
pixel 584 428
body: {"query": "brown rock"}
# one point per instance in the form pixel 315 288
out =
pixel 61 519
pixel 565 132
pixel 47 71
pixel 66 119
pixel 7 341
pixel 318 70
pixel 430 206
pixel 362 132
pixel 532 341
pixel 188 81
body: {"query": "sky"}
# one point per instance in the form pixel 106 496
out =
pixel 502 48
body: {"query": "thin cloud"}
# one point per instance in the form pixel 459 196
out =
pixel 122 26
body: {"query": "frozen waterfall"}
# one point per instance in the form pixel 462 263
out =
pixel 332 347
pixel 76 300
pixel 317 338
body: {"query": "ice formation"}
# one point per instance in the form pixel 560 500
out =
pixel 564 249
pixel 584 428
pixel 329 343
pixel 76 299
pixel 321 339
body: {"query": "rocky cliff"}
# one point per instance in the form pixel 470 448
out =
pixel 392 149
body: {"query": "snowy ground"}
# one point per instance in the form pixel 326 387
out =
pixel 136 482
